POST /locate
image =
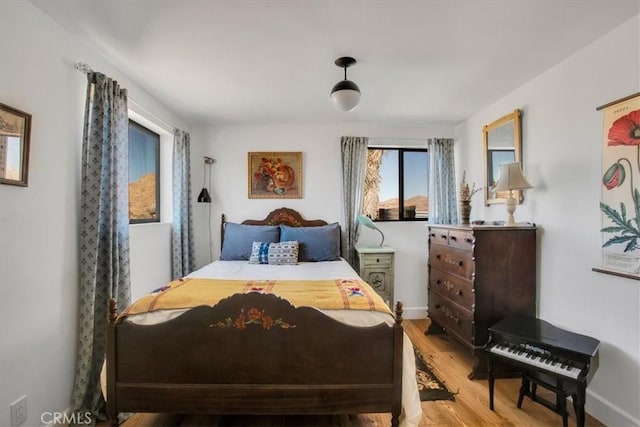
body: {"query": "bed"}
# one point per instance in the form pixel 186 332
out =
pixel 255 352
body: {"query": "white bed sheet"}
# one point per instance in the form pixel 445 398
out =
pixel 242 270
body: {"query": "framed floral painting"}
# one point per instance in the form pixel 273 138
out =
pixel 275 175
pixel 620 202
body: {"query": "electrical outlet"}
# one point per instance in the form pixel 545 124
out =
pixel 19 411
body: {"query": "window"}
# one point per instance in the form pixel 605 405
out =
pixel 396 184
pixel 144 174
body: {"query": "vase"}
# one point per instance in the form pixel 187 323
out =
pixel 465 211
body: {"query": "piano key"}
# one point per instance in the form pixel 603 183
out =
pixel 552 363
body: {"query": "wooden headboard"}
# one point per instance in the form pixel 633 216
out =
pixel 281 216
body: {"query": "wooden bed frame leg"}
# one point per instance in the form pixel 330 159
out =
pixel 397 381
pixel 395 419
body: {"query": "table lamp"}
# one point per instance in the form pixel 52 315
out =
pixel 511 178
pixel 366 221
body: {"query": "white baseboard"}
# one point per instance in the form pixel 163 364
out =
pixel 608 413
pixel 414 312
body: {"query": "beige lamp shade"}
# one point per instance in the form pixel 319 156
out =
pixel 511 178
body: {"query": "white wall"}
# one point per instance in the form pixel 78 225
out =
pixel 38 224
pixel 322 192
pixel 562 151
pixel 562 148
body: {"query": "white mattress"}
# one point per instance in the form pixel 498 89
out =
pixel 242 270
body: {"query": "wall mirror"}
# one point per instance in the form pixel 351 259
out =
pixel 502 143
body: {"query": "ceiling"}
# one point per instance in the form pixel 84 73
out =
pixel 272 61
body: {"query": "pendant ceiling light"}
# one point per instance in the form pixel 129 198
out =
pixel 345 95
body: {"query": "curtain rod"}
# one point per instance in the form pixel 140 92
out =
pixel 380 138
pixel 85 68
pixel 390 142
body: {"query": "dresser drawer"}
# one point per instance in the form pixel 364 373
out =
pixel 454 288
pixel 461 239
pixel 452 260
pixel 379 260
pixel 439 236
pixel 451 317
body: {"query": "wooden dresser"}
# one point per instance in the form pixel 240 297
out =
pixel 479 275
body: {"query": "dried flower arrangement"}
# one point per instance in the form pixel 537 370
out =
pixel 467 193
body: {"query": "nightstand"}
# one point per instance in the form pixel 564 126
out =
pixel 375 265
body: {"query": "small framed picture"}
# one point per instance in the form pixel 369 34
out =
pixel 15 130
pixel 275 175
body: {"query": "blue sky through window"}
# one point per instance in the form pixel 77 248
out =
pixel 415 174
pixel 142 153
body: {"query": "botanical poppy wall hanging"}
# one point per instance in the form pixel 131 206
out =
pixel 275 175
pixel 620 202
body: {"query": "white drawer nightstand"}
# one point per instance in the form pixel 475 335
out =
pixel 375 266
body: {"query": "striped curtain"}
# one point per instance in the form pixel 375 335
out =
pixel 104 232
pixel 443 208
pixel 354 165
pixel 182 246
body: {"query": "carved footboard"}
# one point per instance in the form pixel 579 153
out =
pixel 253 354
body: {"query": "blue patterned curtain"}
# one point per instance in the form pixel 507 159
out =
pixel 442 182
pixel 183 252
pixel 104 232
pixel 354 165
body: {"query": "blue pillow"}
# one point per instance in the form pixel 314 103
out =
pixel 315 243
pixel 238 239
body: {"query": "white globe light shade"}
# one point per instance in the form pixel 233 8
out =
pixel 345 99
pixel 345 95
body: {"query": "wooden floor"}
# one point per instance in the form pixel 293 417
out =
pixel 451 364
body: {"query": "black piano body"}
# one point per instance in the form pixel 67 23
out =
pixel 545 355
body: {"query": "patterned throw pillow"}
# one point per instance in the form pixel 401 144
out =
pixel 259 253
pixel 283 253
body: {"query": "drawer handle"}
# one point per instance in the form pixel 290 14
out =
pixel 468 240
pixel 448 313
pixel 443 236
pixel 377 259
pixel 458 292
pixel 438 256
pixel 459 263
pixel 451 316
pixel 438 282
pixel 433 234
pixel 453 238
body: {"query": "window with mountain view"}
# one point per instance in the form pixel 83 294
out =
pixel 396 184
pixel 144 174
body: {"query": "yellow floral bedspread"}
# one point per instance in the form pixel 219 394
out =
pixel 337 294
